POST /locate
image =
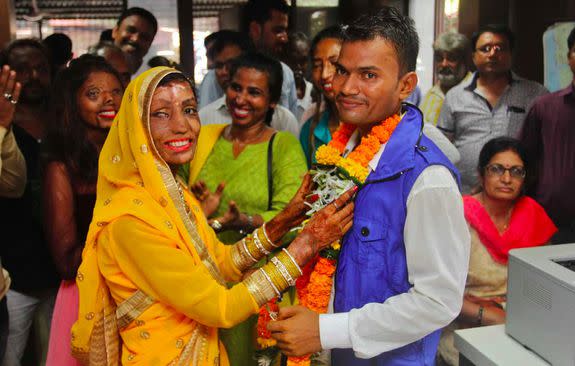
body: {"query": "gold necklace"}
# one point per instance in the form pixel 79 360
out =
pixel 505 225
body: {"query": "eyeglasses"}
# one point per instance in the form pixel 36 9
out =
pixel 517 172
pixel 492 47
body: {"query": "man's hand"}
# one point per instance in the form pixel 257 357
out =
pixel 296 331
pixel 9 94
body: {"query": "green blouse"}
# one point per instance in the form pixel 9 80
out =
pixel 246 177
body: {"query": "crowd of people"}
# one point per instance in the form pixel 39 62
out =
pixel 148 220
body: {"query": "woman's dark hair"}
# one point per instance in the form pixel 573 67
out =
pixel 66 138
pixel 502 144
pixel 333 32
pixel 269 66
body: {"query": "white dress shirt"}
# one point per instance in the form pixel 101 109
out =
pixel 217 112
pixel 437 246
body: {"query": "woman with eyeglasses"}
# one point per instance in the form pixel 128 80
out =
pixel 500 218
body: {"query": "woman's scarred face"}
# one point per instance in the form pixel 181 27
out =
pixel 174 122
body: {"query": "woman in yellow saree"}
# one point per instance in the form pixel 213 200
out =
pixel 152 279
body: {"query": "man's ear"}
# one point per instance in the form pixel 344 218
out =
pixel 407 84
pixel 255 31
pixel 115 32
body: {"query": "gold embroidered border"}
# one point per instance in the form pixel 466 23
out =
pixel 131 308
pixel 171 183
pixel 194 350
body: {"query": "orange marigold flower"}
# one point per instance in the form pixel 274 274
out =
pixel 327 155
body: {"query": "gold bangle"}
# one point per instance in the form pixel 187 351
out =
pixel 259 287
pixel 275 275
pixel 247 250
pixel 278 293
pixel 267 237
pixel 258 243
pixel 290 263
pixel 252 249
pixel 241 257
pixel 283 270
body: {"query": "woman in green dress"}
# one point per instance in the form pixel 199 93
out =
pixel 260 168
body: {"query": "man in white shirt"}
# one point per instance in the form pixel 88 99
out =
pixel 402 268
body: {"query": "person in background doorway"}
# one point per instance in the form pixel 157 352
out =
pixel 549 137
pixel 492 102
pixel 452 55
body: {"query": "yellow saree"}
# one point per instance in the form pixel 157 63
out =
pixel 152 279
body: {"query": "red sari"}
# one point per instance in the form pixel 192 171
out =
pixel 529 226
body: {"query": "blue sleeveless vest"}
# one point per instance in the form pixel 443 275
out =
pixel 372 265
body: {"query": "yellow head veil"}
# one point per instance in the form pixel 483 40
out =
pixel 132 180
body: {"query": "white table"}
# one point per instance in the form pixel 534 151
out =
pixel 491 346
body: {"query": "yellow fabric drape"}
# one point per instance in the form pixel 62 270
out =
pixel 136 189
pixel 209 135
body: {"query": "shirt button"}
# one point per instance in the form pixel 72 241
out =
pixel 145 335
pixel 90 316
pixel 179 343
pixel 131 357
pixel 364 231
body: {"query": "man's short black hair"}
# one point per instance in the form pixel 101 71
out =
pixel 260 11
pixel 389 24
pixel 500 29
pixel 571 39
pixel 231 38
pixel 21 43
pixel 60 46
pixel 143 13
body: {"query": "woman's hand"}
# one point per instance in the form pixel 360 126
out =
pixel 294 213
pixel 9 94
pixel 208 200
pixel 230 220
pixel 326 226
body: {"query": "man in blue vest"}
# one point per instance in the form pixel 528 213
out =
pixel 402 269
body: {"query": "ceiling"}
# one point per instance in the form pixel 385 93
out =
pixel 98 9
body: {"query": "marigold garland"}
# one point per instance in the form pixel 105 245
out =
pixel 314 286
pixel 356 163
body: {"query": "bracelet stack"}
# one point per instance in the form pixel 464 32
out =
pixel 273 278
pixel 252 248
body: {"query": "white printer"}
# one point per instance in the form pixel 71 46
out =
pixel 541 301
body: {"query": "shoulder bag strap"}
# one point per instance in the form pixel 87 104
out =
pixel 270 175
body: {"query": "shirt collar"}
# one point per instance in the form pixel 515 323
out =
pixel 220 103
pixel 470 84
pixel 567 92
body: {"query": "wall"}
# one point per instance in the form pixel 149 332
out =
pixel 423 14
